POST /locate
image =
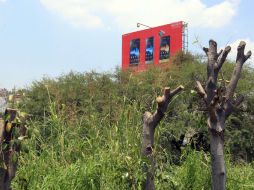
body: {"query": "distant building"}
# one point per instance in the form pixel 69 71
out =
pixel 3 104
pixel 3 92
pixel 153 46
pixel 3 99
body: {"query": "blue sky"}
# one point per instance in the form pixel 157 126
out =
pixel 51 37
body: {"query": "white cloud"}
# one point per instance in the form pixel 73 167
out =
pixel 91 13
pixel 234 45
pixel 158 12
pixel 78 12
pixel 3 1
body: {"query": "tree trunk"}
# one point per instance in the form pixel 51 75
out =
pixel 217 160
pixel 147 150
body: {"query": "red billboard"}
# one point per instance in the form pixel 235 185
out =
pixel 153 46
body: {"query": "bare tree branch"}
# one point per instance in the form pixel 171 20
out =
pixel 176 91
pixel 222 58
pixel 211 74
pixel 163 104
pixel 240 52
pixel 213 49
pixel 248 55
pixel 233 105
pixel 240 60
pixel 212 57
pixel 205 50
pixel 200 90
pixel 220 52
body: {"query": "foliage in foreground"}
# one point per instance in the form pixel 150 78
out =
pixel 86 132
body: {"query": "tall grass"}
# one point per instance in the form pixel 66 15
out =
pixel 92 155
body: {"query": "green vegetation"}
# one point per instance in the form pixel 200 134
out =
pixel 85 131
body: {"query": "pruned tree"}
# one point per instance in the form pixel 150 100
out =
pixel 150 123
pixel 220 103
pixel 12 132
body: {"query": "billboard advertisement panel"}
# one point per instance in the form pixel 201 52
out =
pixel 149 50
pixel 164 47
pixel 134 51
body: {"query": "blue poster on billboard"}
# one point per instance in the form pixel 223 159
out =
pixel 149 50
pixel 134 51
pixel 164 48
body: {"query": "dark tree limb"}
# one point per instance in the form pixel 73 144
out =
pixel 222 57
pixel 220 104
pixel 233 105
pixel 211 80
pixel 240 60
pixel 150 123
pixel 206 50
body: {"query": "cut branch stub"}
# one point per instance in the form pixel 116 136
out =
pixel 213 49
pixel 205 50
pixel 233 105
pixel 162 101
pixel 248 55
pixel 240 53
pixel 222 57
pixel 176 91
pixel 200 90
pixel 163 104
